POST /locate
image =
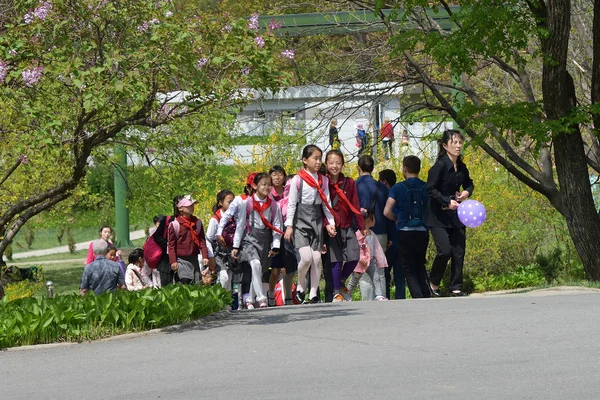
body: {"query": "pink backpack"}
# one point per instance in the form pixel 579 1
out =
pixel 228 230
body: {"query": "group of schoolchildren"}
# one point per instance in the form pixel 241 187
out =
pixel 283 225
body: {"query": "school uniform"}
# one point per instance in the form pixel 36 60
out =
pixel 448 233
pixel 184 251
pixel 253 238
pixel 305 213
pixel 222 254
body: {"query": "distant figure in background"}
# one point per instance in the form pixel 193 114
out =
pixel 405 141
pixel 361 138
pixel 334 139
pixel 101 275
pixel 387 139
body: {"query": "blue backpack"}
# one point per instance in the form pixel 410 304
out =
pixel 414 206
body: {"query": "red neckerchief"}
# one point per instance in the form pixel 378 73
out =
pixel 191 224
pixel 218 215
pixel 342 195
pixel 260 209
pixel 310 181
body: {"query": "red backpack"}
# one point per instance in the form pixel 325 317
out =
pixel 152 251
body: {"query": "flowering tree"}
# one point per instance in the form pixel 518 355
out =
pixel 76 77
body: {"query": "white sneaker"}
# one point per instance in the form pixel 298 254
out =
pixel 249 306
pixel 381 298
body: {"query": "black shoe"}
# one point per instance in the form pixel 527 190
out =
pixel 314 300
pixel 459 294
pixel 435 292
pixel 300 297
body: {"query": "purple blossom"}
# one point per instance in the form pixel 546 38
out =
pixel 288 54
pixel 201 62
pixel 226 28
pixel 42 10
pixel 146 25
pixel 150 150
pixel 12 52
pixel 3 71
pixel 32 76
pixel 169 14
pixel 246 70
pixel 199 50
pixel 274 25
pixel 260 42
pixel 24 159
pixel 28 18
pixel 253 22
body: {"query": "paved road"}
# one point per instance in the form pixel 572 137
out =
pixel 65 249
pixel 503 347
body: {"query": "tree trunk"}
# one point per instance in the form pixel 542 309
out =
pixel 569 153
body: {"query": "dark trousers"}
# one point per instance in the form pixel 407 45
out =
pixel 412 253
pixel 450 244
pixel 394 267
pixel 328 277
pixel 167 275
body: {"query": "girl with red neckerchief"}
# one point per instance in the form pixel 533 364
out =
pixel 343 249
pixel 308 202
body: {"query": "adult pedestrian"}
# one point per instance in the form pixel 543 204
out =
pixel 334 138
pixel 448 183
pixel 387 139
pixel 406 206
pixel 372 196
pixel 388 178
pixel 101 275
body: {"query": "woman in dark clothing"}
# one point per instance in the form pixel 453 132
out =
pixel 446 178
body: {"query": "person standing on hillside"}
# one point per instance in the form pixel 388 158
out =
pixel 387 139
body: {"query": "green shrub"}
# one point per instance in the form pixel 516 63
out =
pixel 549 264
pixel 29 236
pixel 521 277
pixel 75 318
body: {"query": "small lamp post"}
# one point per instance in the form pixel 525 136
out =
pixel 50 287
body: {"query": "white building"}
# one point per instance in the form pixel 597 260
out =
pixel 308 110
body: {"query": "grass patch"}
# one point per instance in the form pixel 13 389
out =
pixel 46 238
pixel 79 254
pixel 66 277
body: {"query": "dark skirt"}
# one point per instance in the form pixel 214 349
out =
pixel 344 246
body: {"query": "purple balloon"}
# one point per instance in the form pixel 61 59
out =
pixel 471 213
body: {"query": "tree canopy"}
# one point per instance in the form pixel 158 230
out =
pixel 76 77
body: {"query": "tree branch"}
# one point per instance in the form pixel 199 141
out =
pixel 11 170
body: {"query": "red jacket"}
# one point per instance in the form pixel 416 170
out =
pixel 387 131
pixel 341 212
pixel 184 245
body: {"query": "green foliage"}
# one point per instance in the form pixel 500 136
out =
pixel 60 232
pixel 87 73
pixel 70 240
pixel 520 277
pixel 75 318
pixel 550 264
pixel 29 236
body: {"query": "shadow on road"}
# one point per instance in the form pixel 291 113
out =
pixel 269 316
